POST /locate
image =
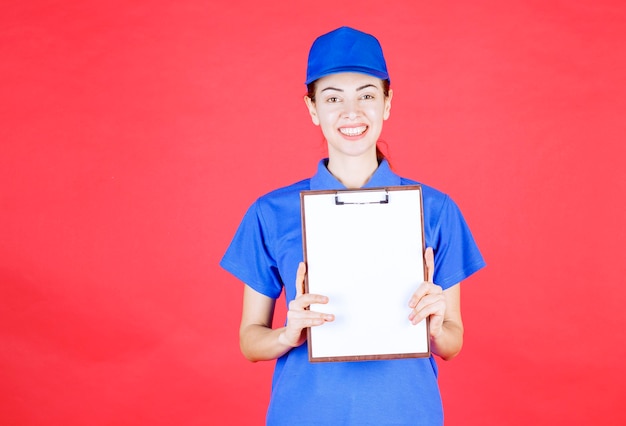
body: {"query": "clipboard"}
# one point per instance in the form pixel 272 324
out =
pixel 364 249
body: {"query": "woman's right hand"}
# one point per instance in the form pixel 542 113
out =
pixel 299 317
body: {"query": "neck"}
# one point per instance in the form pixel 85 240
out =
pixel 353 172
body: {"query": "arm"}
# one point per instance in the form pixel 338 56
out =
pixel 444 309
pixel 257 339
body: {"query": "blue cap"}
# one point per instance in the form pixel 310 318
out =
pixel 346 50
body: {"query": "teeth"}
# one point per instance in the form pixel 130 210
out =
pixel 352 131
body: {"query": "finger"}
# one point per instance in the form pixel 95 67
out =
pixel 303 301
pixel 425 295
pixel 429 257
pixel 433 309
pixel 421 291
pixel 303 319
pixel 426 288
pixel 300 273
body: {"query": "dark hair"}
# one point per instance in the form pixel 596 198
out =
pixel 310 92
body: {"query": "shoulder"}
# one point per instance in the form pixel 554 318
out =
pixel 283 199
pixel 440 210
pixel 285 192
pixel 433 198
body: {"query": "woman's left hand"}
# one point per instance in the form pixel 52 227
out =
pixel 429 300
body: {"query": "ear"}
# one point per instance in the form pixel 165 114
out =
pixel 387 109
pixel 312 110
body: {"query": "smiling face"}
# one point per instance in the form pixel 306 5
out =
pixel 350 109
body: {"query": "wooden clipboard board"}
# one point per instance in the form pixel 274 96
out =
pixel 364 249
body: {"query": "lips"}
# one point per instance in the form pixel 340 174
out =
pixel 353 131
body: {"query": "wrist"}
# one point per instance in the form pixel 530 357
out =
pixel 283 340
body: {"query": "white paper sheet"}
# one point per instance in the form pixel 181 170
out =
pixel 368 259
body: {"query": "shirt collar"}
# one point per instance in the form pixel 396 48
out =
pixel 383 176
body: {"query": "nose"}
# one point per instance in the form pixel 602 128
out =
pixel 352 110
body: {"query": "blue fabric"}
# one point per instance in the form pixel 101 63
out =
pixel 346 50
pixel 265 253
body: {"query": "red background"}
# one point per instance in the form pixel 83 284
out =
pixel 134 134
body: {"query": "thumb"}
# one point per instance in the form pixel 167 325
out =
pixel 429 257
pixel 300 273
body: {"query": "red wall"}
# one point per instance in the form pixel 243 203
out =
pixel 134 135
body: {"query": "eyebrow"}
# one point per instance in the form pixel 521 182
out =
pixel 358 88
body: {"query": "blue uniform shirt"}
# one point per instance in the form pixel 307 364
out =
pixel 265 253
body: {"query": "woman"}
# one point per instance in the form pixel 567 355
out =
pixel 349 99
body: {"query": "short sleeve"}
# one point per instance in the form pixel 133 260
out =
pixel 249 255
pixel 456 254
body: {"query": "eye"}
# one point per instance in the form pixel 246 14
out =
pixel 367 97
pixel 332 99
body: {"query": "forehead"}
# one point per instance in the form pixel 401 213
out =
pixel 348 81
